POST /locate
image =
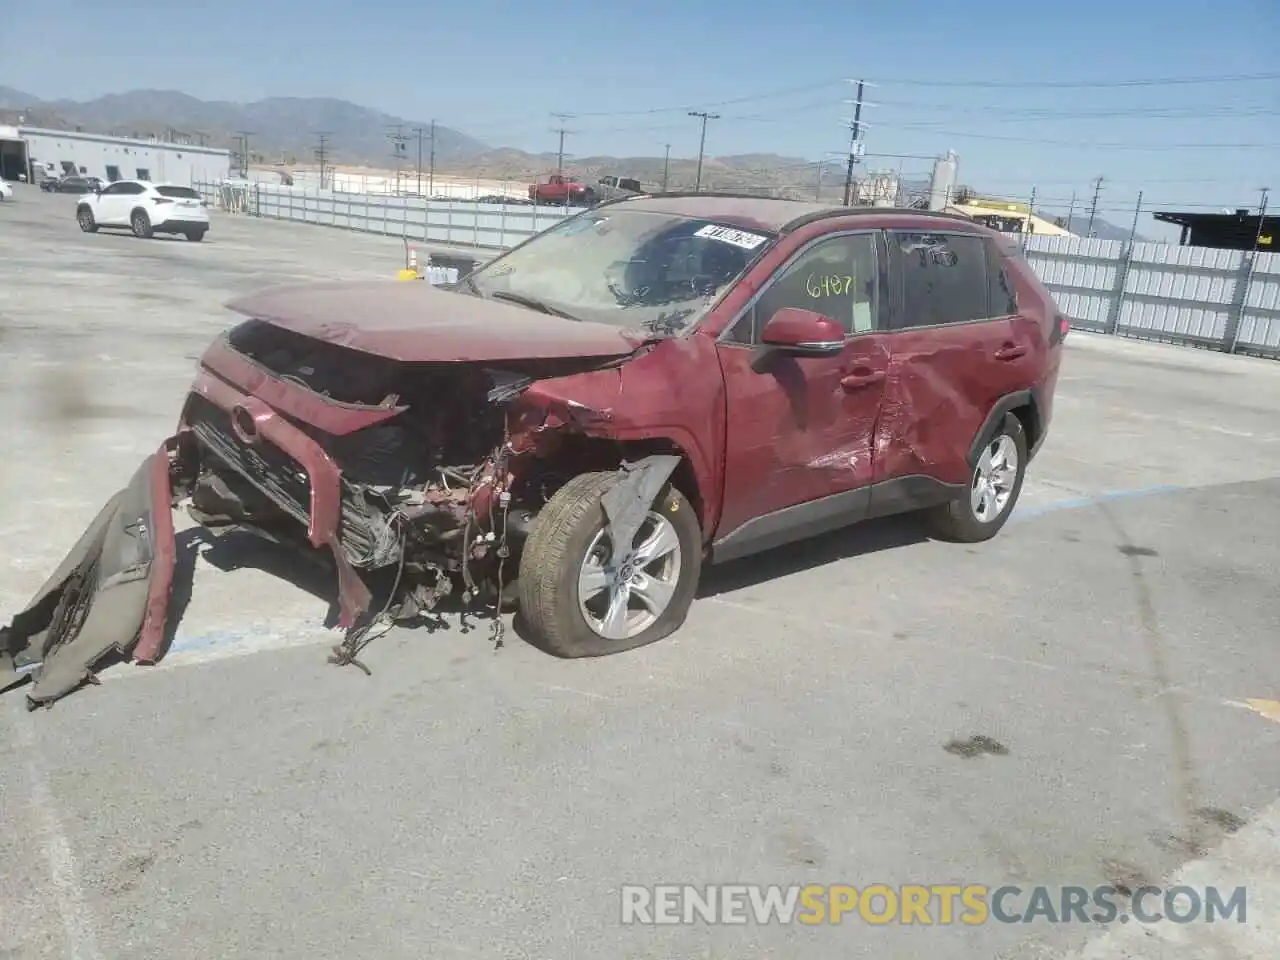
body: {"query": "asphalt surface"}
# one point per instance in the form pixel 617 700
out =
pixel 1067 704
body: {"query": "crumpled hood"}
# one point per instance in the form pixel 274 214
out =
pixel 416 323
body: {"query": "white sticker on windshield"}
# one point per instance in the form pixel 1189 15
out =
pixel 739 238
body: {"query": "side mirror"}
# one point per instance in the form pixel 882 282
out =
pixel 803 332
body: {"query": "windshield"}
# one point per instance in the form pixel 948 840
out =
pixel 630 268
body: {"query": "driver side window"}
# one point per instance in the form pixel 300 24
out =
pixel 838 277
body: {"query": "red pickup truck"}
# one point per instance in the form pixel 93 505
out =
pixel 561 189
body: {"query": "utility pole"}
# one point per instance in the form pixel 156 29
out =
pixel 244 136
pixel 1253 266
pixel 666 167
pixel 397 150
pixel 1028 227
pixel 1093 207
pixel 322 154
pixel 419 131
pixel 431 170
pixel 855 131
pixel 562 117
pixel 1071 211
pixel 817 190
pixel 1137 211
pixel 702 144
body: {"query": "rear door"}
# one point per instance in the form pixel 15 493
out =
pixel 958 348
pixel 800 429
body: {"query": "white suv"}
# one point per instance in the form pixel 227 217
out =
pixel 145 208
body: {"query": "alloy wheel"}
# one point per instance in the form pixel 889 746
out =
pixel 994 479
pixel 621 596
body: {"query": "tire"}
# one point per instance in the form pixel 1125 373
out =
pixel 572 527
pixel 195 236
pixel 141 224
pixel 962 520
pixel 84 217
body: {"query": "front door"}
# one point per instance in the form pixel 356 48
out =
pixel 800 429
pixel 108 206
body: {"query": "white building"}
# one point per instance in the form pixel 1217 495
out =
pixel 38 153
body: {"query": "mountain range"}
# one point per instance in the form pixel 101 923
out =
pixel 287 130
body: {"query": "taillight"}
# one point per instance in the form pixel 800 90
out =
pixel 159 200
pixel 1061 327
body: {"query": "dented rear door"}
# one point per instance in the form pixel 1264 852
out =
pixel 956 352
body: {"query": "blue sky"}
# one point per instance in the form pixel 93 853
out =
pixel 498 70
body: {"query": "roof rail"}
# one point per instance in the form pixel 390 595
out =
pixel 874 211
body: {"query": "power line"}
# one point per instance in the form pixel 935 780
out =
pixel 1084 84
pixel 692 107
pixel 1079 144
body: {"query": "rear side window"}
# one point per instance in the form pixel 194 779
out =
pixel 943 278
pixel 1002 297
pixel 178 193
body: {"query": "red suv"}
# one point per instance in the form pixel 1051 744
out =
pixel 579 425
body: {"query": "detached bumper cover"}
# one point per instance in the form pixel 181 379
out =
pixel 110 594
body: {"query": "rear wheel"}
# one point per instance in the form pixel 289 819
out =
pixel 84 217
pixel 195 236
pixel 141 224
pixel 582 597
pixel 993 490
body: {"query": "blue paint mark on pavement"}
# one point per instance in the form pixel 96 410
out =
pixel 1083 502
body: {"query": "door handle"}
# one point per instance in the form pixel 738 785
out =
pixel 856 381
pixel 1011 351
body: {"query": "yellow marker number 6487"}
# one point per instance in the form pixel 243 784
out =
pixel 828 285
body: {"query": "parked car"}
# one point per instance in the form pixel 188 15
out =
pixel 72 184
pixel 6 191
pixel 563 190
pixel 643 388
pixel 614 188
pixel 145 208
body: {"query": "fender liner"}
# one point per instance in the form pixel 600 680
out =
pixel 628 501
pixel 1005 405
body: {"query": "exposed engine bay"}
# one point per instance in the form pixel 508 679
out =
pixel 434 491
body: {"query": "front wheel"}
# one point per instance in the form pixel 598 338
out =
pixel 582 597
pixel 84 217
pixel 993 489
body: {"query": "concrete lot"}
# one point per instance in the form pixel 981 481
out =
pixel 246 799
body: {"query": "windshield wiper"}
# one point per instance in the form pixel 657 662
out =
pixel 532 303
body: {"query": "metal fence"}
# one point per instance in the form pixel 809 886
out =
pixel 1223 299
pixel 494 226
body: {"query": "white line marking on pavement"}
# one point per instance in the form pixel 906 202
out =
pixel 1249 859
pixel 64 877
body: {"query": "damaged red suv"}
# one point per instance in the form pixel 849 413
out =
pixel 583 422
